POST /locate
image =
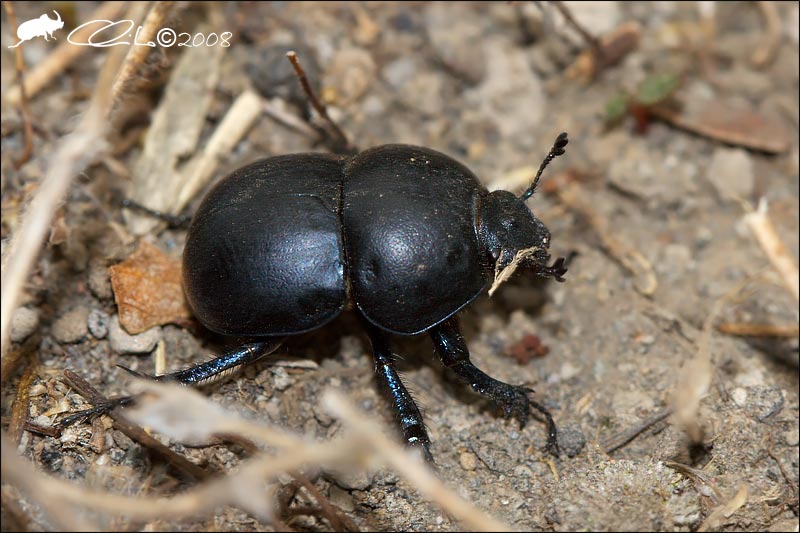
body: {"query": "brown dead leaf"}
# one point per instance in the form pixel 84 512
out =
pixel 732 124
pixel 147 288
pixel 612 48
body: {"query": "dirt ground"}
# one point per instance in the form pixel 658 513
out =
pixel 654 211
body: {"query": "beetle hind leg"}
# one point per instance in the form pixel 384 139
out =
pixel 407 411
pixel 219 367
pixel 514 400
pixel 199 374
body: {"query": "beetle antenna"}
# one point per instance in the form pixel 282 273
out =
pixel 555 151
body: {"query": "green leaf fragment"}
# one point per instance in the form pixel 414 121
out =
pixel 656 88
pixel 616 108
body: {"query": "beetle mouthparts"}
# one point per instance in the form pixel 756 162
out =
pixel 556 271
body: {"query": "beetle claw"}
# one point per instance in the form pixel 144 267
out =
pixel 556 270
pixel 140 374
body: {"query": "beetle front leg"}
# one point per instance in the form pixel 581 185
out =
pixel 452 350
pixel 198 374
pixel 407 410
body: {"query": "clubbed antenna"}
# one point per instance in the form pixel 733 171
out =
pixel 555 151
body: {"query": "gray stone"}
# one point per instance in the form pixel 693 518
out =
pixel 72 326
pixel 356 478
pixel 731 173
pixel 341 499
pixel 98 323
pixel 571 439
pixel 98 280
pixel 281 379
pixel 456 40
pixel 123 342
pixel 600 17
pixel 511 95
pixel 24 322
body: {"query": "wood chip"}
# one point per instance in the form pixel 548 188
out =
pixel 726 510
pixel 174 134
pixel 148 290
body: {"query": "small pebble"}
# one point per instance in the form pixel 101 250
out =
pixel 24 322
pixel 123 342
pixel 791 437
pixel 349 75
pixel 341 499
pixel 281 379
pixel 468 461
pixel 731 173
pixel 571 440
pixel 272 73
pixel 98 280
pixel 98 323
pixel 354 479
pixel 71 327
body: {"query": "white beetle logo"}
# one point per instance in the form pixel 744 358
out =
pixel 43 26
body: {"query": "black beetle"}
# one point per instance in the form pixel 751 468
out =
pixel 405 234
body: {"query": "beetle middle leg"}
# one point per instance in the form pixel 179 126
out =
pixel 198 374
pixel 407 410
pixel 515 400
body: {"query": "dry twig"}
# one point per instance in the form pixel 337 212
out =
pixel 241 116
pixel 19 410
pixel 17 518
pixel 786 477
pixel 340 144
pixel 19 64
pixel 14 358
pixel 62 57
pixel 591 40
pixel 409 466
pixel 337 520
pixel 74 153
pixel 768 47
pixel 725 510
pixel 744 329
pixel 137 54
pixel 630 258
pixel 777 252
pixel 183 414
pixel 135 432
pixel 618 440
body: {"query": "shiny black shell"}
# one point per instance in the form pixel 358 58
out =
pixel 280 246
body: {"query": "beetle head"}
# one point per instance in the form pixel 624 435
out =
pixel 510 230
pixel 513 236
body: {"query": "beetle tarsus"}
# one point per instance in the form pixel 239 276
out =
pixel 173 221
pixel 136 373
pixel 514 400
pixel 552 431
pixel 94 412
